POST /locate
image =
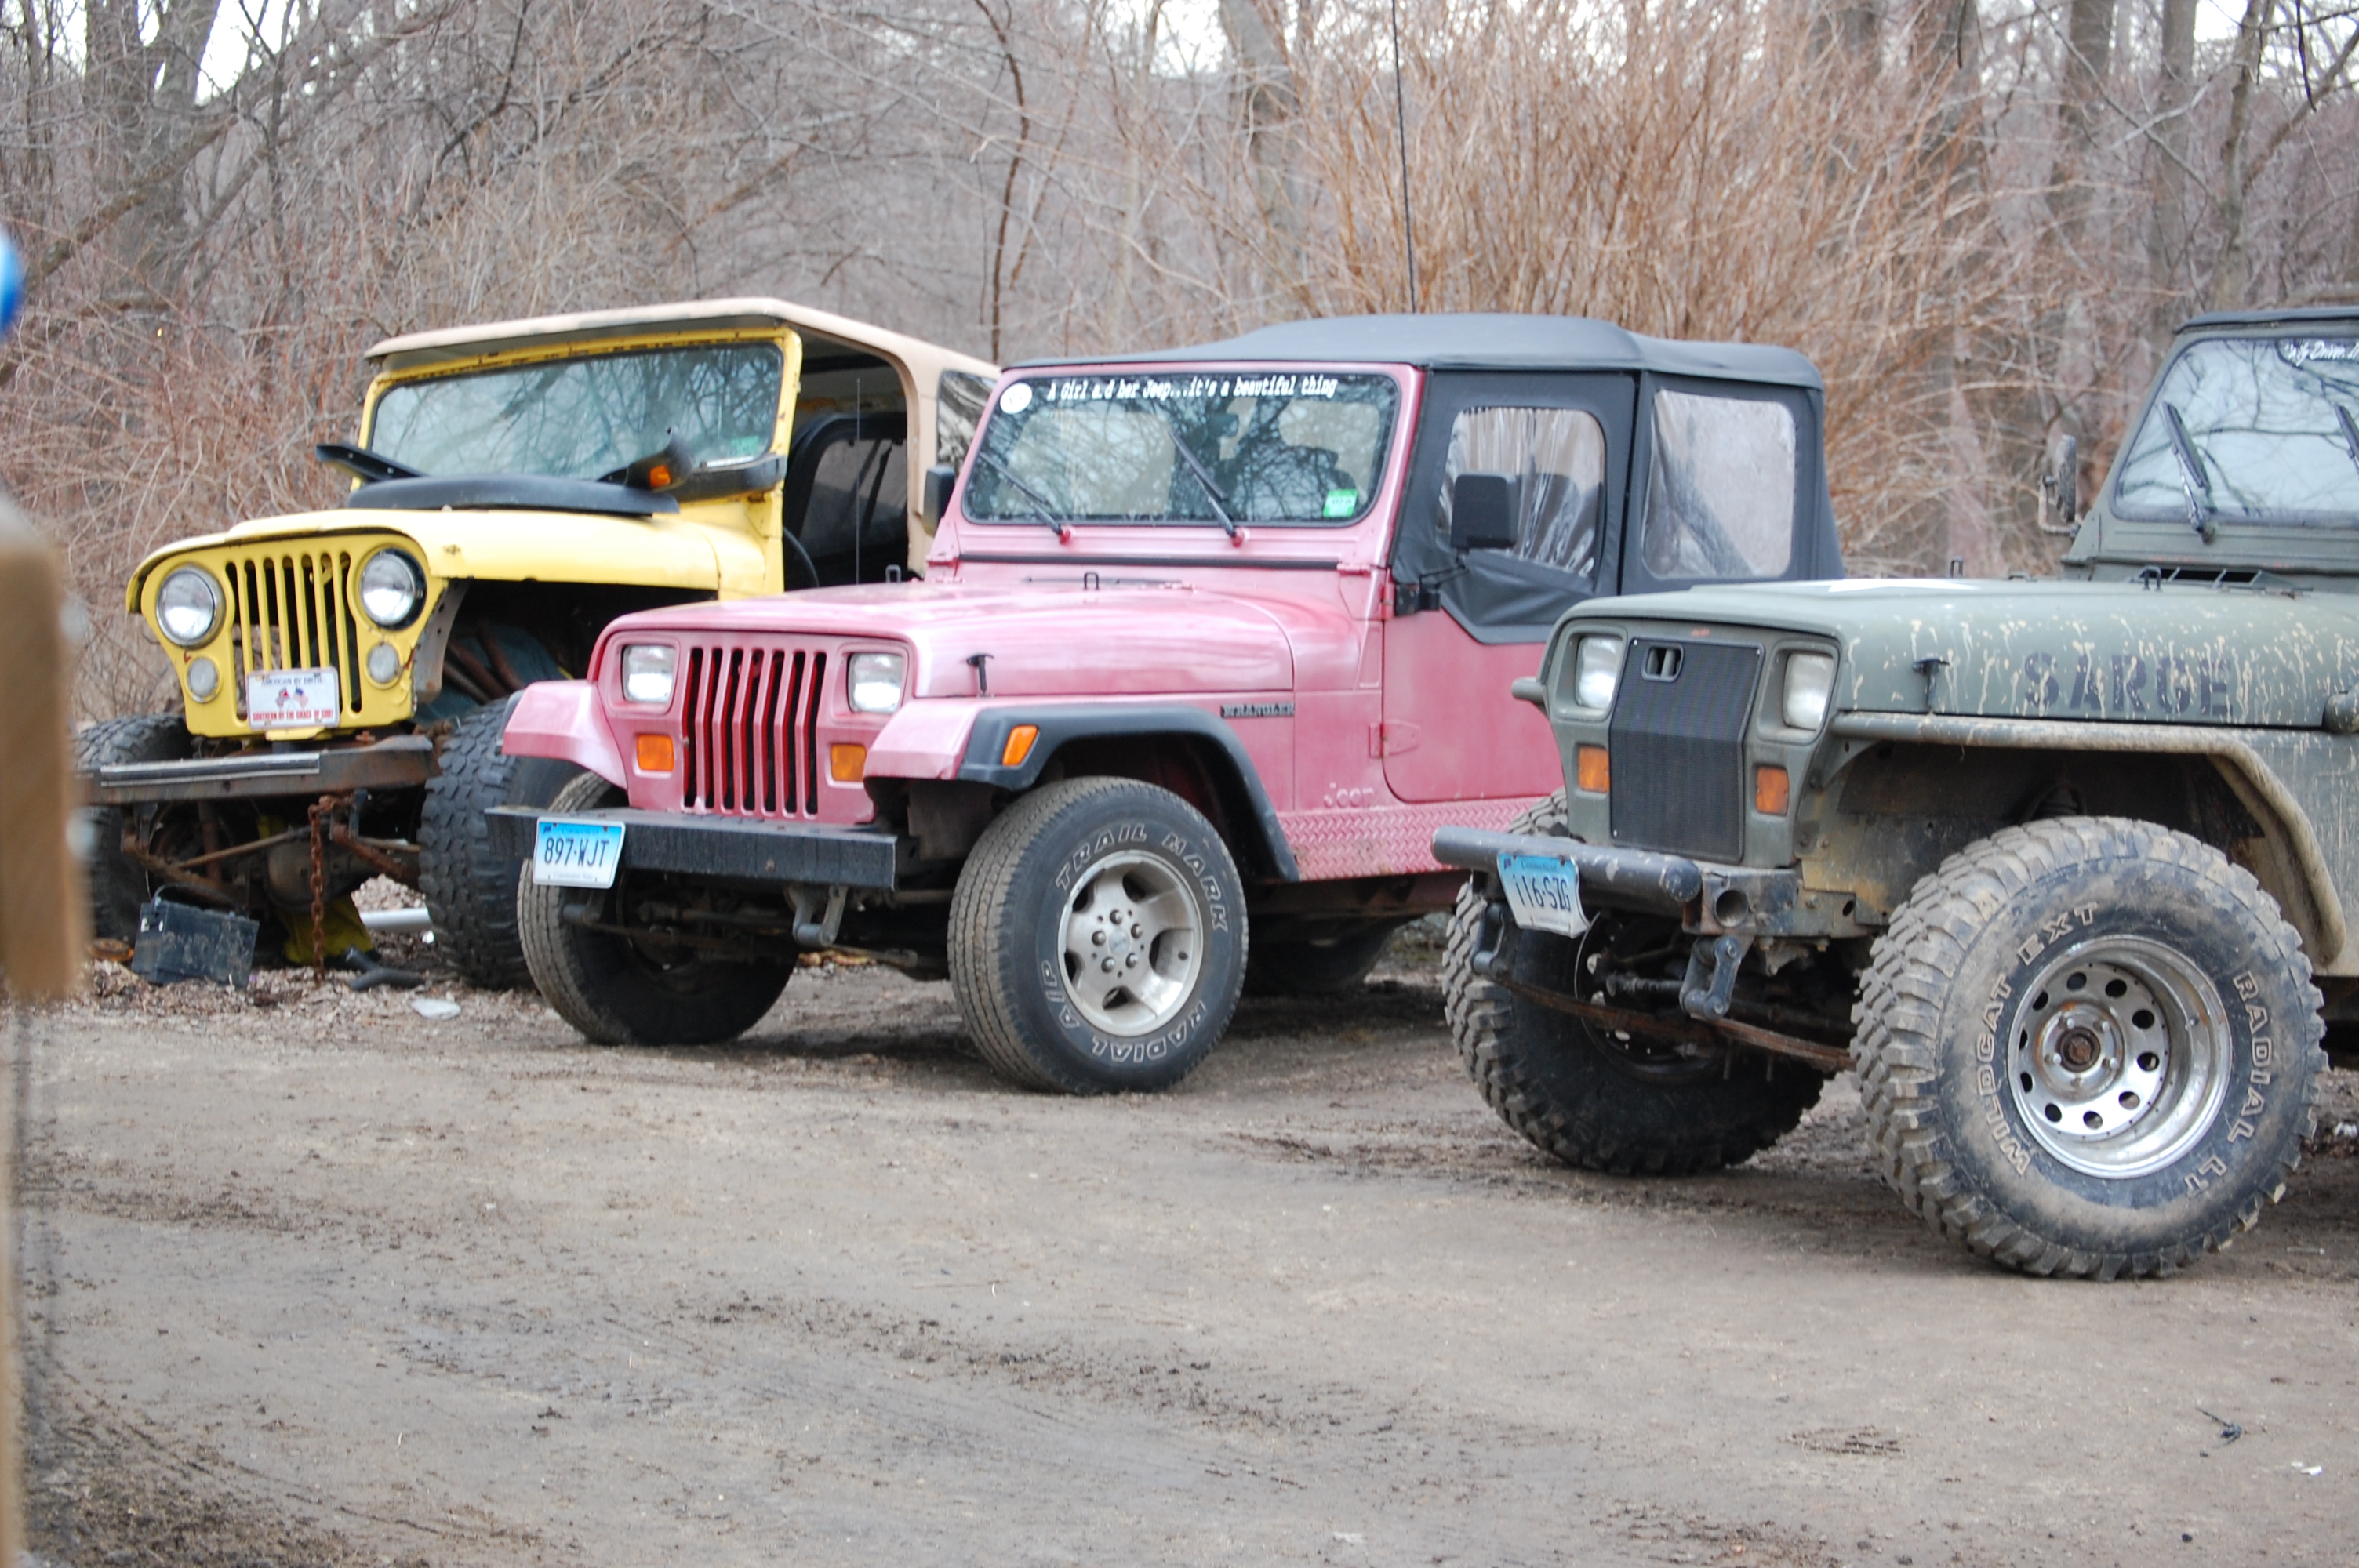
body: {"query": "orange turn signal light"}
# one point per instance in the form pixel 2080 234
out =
pixel 846 763
pixel 1591 770
pixel 1772 790
pixel 654 753
pixel 1020 745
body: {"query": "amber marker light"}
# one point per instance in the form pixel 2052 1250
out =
pixel 1772 790
pixel 1020 745
pixel 847 763
pixel 1591 770
pixel 654 753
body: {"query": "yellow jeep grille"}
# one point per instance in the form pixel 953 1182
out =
pixel 288 610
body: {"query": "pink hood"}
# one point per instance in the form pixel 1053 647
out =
pixel 1043 640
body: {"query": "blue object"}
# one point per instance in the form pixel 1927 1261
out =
pixel 12 284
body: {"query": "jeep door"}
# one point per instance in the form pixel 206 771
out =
pixel 1463 630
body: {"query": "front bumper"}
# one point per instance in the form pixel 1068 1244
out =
pixel 808 854
pixel 1705 898
pixel 403 762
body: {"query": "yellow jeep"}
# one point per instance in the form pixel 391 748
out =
pixel 344 676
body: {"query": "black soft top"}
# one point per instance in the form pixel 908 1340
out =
pixel 1486 342
pixel 2290 316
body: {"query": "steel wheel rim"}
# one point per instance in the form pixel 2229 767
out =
pixel 1132 943
pixel 2118 1056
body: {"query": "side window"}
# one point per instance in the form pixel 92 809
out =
pixel 1720 493
pixel 1558 457
pixel 958 400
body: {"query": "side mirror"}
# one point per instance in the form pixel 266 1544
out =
pixel 1481 513
pixel 661 471
pixel 940 480
pixel 2063 485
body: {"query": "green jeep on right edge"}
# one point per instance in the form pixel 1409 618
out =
pixel 2060 867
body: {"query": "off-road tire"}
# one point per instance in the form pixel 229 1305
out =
pixel 1324 966
pixel 469 888
pixel 1564 1087
pixel 610 989
pixel 1942 1013
pixel 118 885
pixel 1008 916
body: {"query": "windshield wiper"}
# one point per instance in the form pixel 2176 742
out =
pixel 1046 509
pixel 362 464
pixel 1213 492
pixel 2350 433
pixel 2190 473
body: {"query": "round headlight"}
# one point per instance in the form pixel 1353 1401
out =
pixel 1810 682
pixel 1597 671
pixel 393 587
pixel 204 678
pixel 188 606
pixel 383 664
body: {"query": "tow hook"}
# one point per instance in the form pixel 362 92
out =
pixel 813 928
pixel 1491 941
pixel 1699 999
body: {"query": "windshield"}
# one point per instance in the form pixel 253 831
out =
pixel 581 418
pixel 1258 447
pixel 2269 429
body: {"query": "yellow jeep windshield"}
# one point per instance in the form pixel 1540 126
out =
pixel 585 417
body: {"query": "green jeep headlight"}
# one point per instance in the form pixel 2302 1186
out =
pixel 1809 683
pixel 1597 671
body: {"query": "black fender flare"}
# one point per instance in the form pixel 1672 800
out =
pixel 1061 723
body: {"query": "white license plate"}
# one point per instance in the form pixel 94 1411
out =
pixel 576 854
pixel 1544 893
pixel 292 699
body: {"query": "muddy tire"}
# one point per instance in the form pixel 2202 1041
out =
pixel 619 993
pixel 1586 1098
pixel 1322 967
pixel 1097 938
pixel 470 889
pixel 2088 1046
pixel 118 885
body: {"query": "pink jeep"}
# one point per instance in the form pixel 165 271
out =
pixel 1210 640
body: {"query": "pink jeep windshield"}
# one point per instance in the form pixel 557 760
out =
pixel 1187 447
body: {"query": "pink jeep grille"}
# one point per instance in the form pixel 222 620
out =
pixel 749 741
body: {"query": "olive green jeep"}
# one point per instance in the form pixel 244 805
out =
pixel 343 676
pixel 2067 871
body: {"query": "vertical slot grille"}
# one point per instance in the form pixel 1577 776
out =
pixel 289 612
pixel 1678 744
pixel 749 730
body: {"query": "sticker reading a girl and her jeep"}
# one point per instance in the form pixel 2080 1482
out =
pixel 1162 388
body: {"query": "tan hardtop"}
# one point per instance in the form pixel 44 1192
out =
pixel 921 360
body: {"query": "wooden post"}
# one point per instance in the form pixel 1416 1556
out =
pixel 44 914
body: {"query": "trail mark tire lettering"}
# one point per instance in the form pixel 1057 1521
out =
pixel 1097 938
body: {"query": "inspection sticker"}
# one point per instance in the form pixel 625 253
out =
pixel 576 854
pixel 291 700
pixel 1544 893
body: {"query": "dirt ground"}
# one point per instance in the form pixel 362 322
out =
pixel 313 1278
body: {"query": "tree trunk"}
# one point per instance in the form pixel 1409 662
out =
pixel 2168 225
pixel 1266 105
pixel 2232 279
